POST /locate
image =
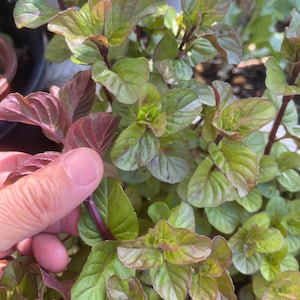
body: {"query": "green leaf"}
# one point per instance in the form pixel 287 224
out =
pixel 224 91
pixel 293 243
pixel 290 47
pixel 219 259
pixel 226 42
pixel 200 50
pixel 226 217
pixel 158 211
pixel 271 264
pixel 172 162
pixel 109 197
pixel 203 287
pixel 276 209
pixel 135 147
pixel 289 263
pixel 57 49
pixel 276 80
pixel 204 92
pixel 128 112
pixel 269 240
pixel 247 265
pixel 20 280
pixel 226 286
pixel 256 142
pixel 182 107
pixel 268 270
pixel 285 287
pixel 252 202
pixel 268 168
pixel 165 60
pixel 171 281
pixel 129 288
pixel 183 217
pixel 239 164
pixel 289 160
pixel 140 254
pixel 290 117
pixel 208 186
pixel 245 259
pixel 124 16
pixel 205 12
pixel 291 223
pixel 101 264
pixel 184 246
pixel 289 180
pixel 261 220
pixel 125 79
pixel 32 13
pixel 150 110
pixel 84 53
pixel 244 117
pixel 87 228
pixel 72 24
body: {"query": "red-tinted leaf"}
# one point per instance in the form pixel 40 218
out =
pixel 63 287
pixel 40 109
pixel 78 94
pixel 94 131
pixel 31 164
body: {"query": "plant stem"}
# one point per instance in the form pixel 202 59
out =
pixel 186 38
pixel 277 122
pixel 285 101
pixel 61 5
pixel 107 94
pixel 104 53
pixel 104 231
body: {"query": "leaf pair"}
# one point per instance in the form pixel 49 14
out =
pixel 54 112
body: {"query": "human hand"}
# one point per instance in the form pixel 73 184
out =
pixel 38 206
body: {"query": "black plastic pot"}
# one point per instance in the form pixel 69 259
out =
pixel 30 46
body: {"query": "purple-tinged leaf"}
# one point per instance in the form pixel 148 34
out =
pixel 39 109
pixel 31 164
pixel 94 131
pixel 78 94
pixel 63 287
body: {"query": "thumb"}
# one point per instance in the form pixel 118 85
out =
pixel 34 202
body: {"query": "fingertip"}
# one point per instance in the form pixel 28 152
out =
pixel 25 247
pixel 84 166
pixel 49 252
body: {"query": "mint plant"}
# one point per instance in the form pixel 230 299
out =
pixel 207 194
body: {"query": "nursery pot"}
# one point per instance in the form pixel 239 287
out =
pixel 8 65
pixel 29 77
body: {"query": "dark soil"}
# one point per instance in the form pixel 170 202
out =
pixel 247 79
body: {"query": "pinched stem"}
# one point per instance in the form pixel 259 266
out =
pixel 104 231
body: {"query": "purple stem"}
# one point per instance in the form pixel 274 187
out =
pixel 285 101
pixel 61 5
pixel 104 231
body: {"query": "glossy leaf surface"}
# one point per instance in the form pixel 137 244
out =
pixel 39 109
pixel 33 14
pixel 125 79
pixel 127 288
pixel 109 197
pixel 101 264
pixel 94 131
